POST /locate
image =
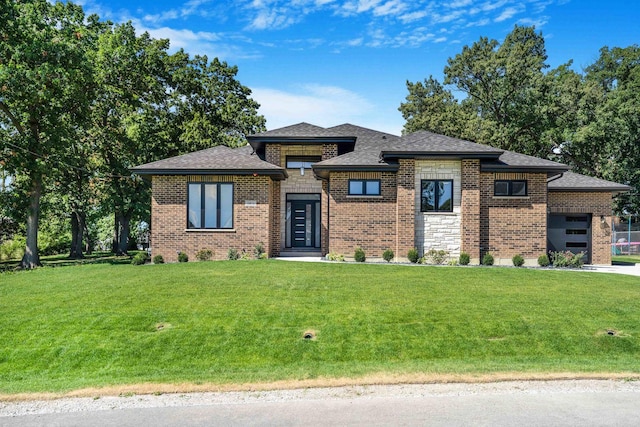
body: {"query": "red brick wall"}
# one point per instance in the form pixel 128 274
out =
pixel 513 225
pixel 405 207
pixel 597 204
pixel 365 221
pixel 470 208
pixel 169 217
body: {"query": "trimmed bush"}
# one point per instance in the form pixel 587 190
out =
pixel 437 257
pixel 413 255
pixel 517 260
pixel 388 255
pixel 232 254
pixel 543 260
pixel 139 258
pixel 183 257
pixel 158 259
pixel 464 258
pixel 487 259
pixel 359 255
pixel 204 255
pixel 567 259
pixel 334 256
pixel 258 251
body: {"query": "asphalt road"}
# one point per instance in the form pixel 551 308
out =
pixel 518 403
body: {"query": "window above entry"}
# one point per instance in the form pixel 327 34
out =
pixel 364 187
pixel 302 162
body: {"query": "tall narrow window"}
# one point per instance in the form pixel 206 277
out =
pixel 436 195
pixel 210 205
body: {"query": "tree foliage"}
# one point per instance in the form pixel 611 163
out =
pixel 83 100
pixel 511 100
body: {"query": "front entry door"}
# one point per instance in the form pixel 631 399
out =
pixel 303 223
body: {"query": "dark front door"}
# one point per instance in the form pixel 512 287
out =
pixel 303 222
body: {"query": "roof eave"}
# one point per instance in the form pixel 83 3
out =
pixel 439 155
pixel 257 142
pixel 589 189
pixel 273 173
pixel 549 170
pixel 324 171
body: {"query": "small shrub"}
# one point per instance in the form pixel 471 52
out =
pixel 487 259
pixel 464 258
pixel 232 254
pixel 204 255
pixel 388 255
pixel 567 259
pixel 245 255
pixel 158 259
pixel 183 257
pixel 13 249
pixel 334 256
pixel 264 255
pixel 413 255
pixel 258 250
pixel 359 255
pixel 517 260
pixel 452 262
pixel 543 260
pixel 436 256
pixel 139 258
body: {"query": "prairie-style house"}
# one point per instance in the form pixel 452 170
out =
pixel 308 190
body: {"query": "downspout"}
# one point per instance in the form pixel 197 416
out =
pixel 560 175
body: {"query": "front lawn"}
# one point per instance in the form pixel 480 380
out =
pixel 228 322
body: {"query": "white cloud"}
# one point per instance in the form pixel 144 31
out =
pixel 508 13
pixel 538 23
pixel 317 104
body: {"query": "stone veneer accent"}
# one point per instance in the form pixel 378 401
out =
pixel 513 225
pixel 597 204
pixel 438 230
pixel 169 234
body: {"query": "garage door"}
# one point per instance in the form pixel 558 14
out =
pixel 570 233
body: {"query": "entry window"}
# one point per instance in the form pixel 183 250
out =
pixel 301 162
pixel 436 195
pixel 509 188
pixel 364 187
pixel 210 206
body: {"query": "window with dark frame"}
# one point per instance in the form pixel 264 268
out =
pixel 210 205
pixel 436 195
pixel 364 187
pixel 302 162
pixel 510 188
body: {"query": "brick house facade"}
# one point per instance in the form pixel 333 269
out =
pixel 307 190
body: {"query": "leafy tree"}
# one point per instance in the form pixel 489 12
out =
pixel 44 93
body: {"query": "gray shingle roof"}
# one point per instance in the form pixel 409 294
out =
pixel 300 130
pixel 571 181
pixel 515 161
pixel 216 160
pixel 428 143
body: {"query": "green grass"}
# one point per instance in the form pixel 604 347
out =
pixel 236 322
pixel 625 259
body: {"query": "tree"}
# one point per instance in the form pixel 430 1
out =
pixel 44 93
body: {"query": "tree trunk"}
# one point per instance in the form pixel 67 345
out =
pixel 77 229
pixel 122 232
pixel 88 239
pixel 31 258
pixel 116 234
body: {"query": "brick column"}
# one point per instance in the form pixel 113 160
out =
pixel 329 151
pixel 272 154
pixel 470 208
pixel 274 219
pixel 405 207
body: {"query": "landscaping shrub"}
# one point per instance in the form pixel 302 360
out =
pixel 567 259
pixel 204 255
pixel 543 260
pixel 464 259
pixel 487 259
pixel 517 260
pixel 158 259
pixel 232 254
pixel 413 255
pixel 139 258
pixel 388 255
pixel 13 249
pixel 183 257
pixel 437 257
pixel 334 256
pixel 258 251
pixel 359 255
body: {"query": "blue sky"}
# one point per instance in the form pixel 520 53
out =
pixel 329 62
